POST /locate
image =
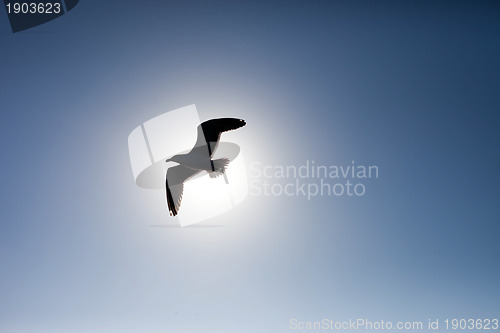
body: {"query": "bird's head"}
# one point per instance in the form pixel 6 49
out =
pixel 171 159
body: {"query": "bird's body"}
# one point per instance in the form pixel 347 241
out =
pixel 198 159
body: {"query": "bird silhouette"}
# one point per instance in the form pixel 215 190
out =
pixel 198 159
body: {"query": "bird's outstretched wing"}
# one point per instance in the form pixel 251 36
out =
pixel 174 185
pixel 209 131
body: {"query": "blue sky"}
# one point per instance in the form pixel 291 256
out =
pixel 412 87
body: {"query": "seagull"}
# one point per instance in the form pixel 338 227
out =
pixel 198 159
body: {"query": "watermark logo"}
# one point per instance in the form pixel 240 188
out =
pixel 311 179
pixel 184 157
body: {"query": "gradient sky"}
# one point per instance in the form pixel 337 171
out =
pixel 410 86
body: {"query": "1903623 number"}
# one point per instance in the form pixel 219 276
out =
pixel 33 8
pixel 471 324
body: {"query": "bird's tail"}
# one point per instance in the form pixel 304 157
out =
pixel 220 166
